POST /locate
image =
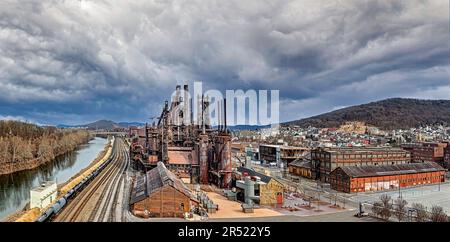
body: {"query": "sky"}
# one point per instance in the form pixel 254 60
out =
pixel 73 62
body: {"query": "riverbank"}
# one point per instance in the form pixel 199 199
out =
pixel 29 215
pixel 13 167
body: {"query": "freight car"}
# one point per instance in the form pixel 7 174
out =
pixel 56 208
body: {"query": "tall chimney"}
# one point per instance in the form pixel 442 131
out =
pixel 186 115
pixel 203 114
pixel 191 109
pixel 219 126
pixel 177 94
pixel 225 114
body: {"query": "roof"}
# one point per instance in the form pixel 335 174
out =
pixel 44 185
pixel 285 147
pixel 252 172
pixel 387 170
pixel 354 150
pixel 301 163
pixel 154 180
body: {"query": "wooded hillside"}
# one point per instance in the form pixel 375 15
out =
pixel 25 145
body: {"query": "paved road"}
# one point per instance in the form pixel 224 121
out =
pixel 427 195
pixel 347 216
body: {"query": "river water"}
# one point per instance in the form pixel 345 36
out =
pixel 15 188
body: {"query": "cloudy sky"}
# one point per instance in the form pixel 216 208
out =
pixel 78 61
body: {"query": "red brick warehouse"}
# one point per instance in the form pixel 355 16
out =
pixel 351 179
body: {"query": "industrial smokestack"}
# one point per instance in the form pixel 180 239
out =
pixel 177 94
pixel 191 110
pixel 203 114
pixel 199 112
pixel 146 136
pixel 225 114
pixel 219 126
pixel 186 115
pixel 207 121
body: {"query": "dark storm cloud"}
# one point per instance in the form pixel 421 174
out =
pixel 77 61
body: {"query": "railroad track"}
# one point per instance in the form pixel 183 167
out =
pixel 98 200
pixel 110 195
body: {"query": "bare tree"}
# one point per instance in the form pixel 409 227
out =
pixel 377 208
pixel 4 150
pixel 45 151
pixel 400 210
pixel 421 212
pixel 438 214
pixel 22 142
pixel 386 207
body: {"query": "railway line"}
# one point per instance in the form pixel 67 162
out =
pixel 99 200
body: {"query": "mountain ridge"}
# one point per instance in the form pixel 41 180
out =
pixel 102 124
pixel 391 113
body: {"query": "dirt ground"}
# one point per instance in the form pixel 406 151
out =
pixel 232 209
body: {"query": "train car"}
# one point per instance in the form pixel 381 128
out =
pixel 46 215
pixel 58 205
pixel 55 208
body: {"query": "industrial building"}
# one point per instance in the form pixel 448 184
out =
pixel 280 155
pixel 427 151
pixel 160 193
pixel 245 152
pixel 301 168
pixel 43 195
pixel 352 179
pixel 255 187
pixel 191 148
pixel 325 160
pixel 446 163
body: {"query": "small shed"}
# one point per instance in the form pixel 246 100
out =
pixel 43 195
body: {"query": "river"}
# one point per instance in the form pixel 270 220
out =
pixel 15 188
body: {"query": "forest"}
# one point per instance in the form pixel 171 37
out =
pixel 26 146
pixel 388 114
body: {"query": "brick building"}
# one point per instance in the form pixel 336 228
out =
pixel 427 151
pixel 300 168
pixel 446 163
pixel 281 154
pixel 325 160
pixel 351 179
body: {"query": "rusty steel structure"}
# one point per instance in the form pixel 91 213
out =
pixel 191 149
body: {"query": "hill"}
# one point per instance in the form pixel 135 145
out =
pixel 26 146
pixel 394 113
pixel 102 124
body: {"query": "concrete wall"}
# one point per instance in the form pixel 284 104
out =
pixel 41 197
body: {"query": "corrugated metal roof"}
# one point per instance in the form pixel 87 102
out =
pixel 350 150
pixel 387 170
pixel 252 172
pixel 139 191
pixel 155 179
pixel 301 163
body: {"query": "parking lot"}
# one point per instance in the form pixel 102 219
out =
pixel 427 195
